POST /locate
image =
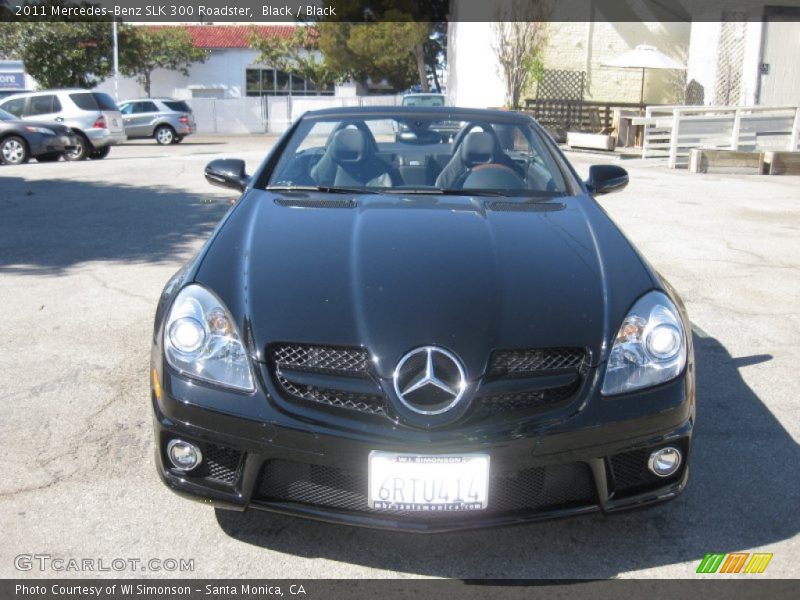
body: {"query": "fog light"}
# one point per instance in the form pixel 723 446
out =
pixel 184 455
pixel 665 462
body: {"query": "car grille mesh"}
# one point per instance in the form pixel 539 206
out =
pixel 354 362
pixel 321 359
pixel 366 403
pixel 535 360
pixel 518 401
pixel 631 473
pixel 336 488
pixel 307 203
pixel 219 464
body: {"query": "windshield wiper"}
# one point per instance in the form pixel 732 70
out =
pixel 326 189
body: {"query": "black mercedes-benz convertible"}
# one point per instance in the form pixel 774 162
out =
pixel 425 332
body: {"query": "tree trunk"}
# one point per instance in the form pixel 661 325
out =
pixel 147 83
pixel 419 53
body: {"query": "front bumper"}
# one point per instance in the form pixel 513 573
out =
pixel 42 144
pixel 592 459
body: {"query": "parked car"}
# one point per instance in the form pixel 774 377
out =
pixel 92 116
pixel 421 337
pixel 165 119
pixel 445 129
pixel 21 140
pixel 7 93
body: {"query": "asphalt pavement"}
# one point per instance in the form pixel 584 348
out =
pixel 85 249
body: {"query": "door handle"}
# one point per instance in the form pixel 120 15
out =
pixel 59 119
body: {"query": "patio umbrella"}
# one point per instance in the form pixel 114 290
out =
pixel 644 57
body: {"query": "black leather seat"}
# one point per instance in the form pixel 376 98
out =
pixel 350 160
pixel 478 148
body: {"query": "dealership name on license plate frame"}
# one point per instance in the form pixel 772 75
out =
pixel 428 483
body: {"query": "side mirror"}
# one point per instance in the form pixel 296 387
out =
pixel 227 173
pixel 604 179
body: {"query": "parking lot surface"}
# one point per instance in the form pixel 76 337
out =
pixel 85 249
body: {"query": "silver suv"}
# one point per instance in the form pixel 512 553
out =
pixel 165 119
pixel 92 116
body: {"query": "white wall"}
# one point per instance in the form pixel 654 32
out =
pixel 473 79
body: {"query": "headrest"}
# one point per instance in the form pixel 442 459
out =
pixel 478 148
pixel 348 145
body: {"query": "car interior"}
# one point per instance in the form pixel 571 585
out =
pixel 480 156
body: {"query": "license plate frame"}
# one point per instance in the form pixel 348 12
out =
pixel 456 482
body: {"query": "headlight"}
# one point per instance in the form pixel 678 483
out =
pixel 43 130
pixel 201 340
pixel 650 347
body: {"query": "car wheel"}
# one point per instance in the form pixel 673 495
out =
pixel 100 153
pixel 81 150
pixel 165 135
pixel 14 151
pixel 49 157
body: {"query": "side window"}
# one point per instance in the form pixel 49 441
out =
pixel 40 105
pixel 148 107
pixel 126 109
pixel 16 107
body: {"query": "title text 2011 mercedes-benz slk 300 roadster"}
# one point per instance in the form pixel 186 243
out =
pixel 427 333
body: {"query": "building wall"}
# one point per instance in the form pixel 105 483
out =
pixel 474 79
pixel 222 75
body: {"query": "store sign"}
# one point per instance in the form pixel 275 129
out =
pixel 12 80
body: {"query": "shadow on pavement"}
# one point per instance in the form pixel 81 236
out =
pixel 743 493
pixel 47 226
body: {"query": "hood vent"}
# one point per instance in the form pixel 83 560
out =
pixel 312 203
pixel 524 206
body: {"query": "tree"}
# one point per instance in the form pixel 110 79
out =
pixel 298 55
pixel 520 37
pixel 145 49
pixel 63 54
pixel 392 40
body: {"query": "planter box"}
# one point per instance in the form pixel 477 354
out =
pixel 703 160
pixel 782 163
pixel 594 141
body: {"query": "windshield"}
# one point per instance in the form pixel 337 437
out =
pixel 418 153
pixel 5 116
pixel 433 100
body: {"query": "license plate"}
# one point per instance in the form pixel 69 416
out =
pixel 437 483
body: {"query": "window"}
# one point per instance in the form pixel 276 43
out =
pixel 16 107
pixel 126 108
pixel 84 101
pixel 397 151
pixel 144 107
pixel 43 105
pixel 93 101
pixel 271 82
pixel 177 106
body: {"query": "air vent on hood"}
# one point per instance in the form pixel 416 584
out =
pixel 524 206
pixel 312 203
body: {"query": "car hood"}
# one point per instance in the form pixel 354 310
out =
pixel 391 272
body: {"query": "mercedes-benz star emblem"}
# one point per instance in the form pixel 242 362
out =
pixel 429 380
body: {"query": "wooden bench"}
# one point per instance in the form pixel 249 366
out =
pixel 781 163
pixel 703 160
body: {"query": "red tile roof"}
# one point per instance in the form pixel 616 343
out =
pixel 232 36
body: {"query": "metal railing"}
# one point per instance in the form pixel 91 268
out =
pixel 672 131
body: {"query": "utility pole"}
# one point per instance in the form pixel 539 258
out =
pixel 116 61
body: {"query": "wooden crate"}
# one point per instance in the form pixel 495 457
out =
pixel 703 160
pixel 782 163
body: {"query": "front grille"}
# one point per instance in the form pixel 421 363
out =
pixel 535 361
pixel 517 401
pixel 518 492
pixel 320 359
pixel 631 474
pixel 366 403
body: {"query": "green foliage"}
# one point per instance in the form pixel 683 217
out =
pixel 142 50
pixel 74 54
pixel 297 55
pixel 384 50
